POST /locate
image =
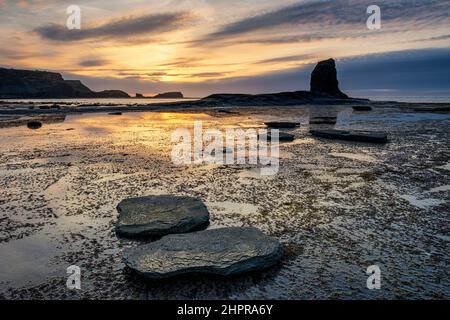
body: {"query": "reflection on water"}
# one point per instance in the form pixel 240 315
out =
pixel 26 260
pixel 395 118
pixel 153 129
pixel 32 259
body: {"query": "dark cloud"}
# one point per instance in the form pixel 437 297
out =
pixel 122 28
pixel 194 62
pixel 414 70
pixel 157 74
pixel 209 74
pixel 338 13
pixel 93 63
pixel 289 39
pixel 296 58
pixel 438 38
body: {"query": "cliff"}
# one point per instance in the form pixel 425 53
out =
pixel 26 84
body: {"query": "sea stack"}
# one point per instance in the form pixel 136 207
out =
pixel 169 95
pixel 324 79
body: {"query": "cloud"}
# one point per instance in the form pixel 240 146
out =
pixel 23 3
pixel 121 28
pixel 296 58
pixel 156 74
pixel 182 63
pixel 23 54
pixel 93 63
pixel 438 38
pixel 330 14
pixel 209 74
pixel 289 39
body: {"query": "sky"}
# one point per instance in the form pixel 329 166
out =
pixel 201 47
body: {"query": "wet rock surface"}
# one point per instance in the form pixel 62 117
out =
pixel 224 251
pixel 358 136
pixel 156 216
pixel 336 206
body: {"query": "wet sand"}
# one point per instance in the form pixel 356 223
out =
pixel 337 207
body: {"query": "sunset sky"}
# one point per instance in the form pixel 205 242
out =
pixel 207 46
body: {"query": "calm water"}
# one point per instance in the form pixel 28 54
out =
pixel 418 99
pixel 101 101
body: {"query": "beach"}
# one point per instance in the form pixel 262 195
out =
pixel 337 207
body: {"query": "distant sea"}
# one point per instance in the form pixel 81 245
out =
pixel 408 98
pixel 417 99
pixel 100 101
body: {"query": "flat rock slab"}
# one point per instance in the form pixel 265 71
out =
pixel 362 108
pixel 359 136
pixel 34 125
pixel 223 252
pixel 323 120
pixel 282 137
pixel 156 216
pixel 282 124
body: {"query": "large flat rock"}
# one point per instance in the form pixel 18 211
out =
pixel 282 124
pixel 282 137
pixel 223 252
pixel 358 136
pixel 156 216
